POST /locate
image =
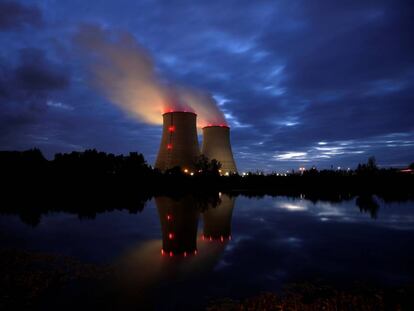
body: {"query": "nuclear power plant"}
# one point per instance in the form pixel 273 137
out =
pixel 179 143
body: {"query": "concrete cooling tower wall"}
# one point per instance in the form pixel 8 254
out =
pixel 179 142
pixel 216 145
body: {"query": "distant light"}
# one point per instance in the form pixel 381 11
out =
pixel 171 235
pixel 169 217
pixel 185 254
pixel 162 252
pixel 195 252
pixel 227 174
pixel 171 254
pixel 191 173
pixel 186 171
pixel 222 239
pixel 338 168
pixel 171 128
pixel 169 146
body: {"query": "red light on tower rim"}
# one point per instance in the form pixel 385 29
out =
pixel 169 146
pixel 171 128
pixel 215 125
pixel 178 111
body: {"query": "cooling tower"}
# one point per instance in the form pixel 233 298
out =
pixel 217 220
pixel 179 142
pixel 216 145
pixel 179 222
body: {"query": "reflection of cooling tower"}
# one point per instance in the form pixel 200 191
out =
pixel 217 220
pixel 179 221
pixel 216 145
pixel 179 142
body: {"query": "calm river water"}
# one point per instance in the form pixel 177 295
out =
pixel 237 249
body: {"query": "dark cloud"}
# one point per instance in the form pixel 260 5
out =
pixel 14 15
pixel 35 73
pixel 301 82
pixel 26 88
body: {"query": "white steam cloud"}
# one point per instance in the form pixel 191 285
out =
pixel 124 72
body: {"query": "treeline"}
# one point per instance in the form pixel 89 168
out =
pixel 91 182
pixel 91 168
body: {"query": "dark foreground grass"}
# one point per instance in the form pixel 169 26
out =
pixel 33 281
pixel 315 296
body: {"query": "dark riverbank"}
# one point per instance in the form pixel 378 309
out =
pixel 93 182
pixel 32 281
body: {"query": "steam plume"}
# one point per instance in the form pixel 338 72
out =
pixel 124 72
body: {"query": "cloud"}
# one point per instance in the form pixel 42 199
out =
pixel 35 73
pixel 25 88
pixel 14 15
pixel 287 75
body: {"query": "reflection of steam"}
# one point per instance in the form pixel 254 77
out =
pixel 142 269
pixel 124 72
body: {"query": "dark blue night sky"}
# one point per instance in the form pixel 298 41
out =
pixel 308 83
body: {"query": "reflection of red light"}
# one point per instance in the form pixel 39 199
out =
pixel 171 254
pixel 185 254
pixel 171 128
pixel 171 236
pixel 169 146
pixel 195 252
pixel 169 217
pixel 222 239
pixel 229 237
pixel 211 239
pixel 162 252
pixel 202 237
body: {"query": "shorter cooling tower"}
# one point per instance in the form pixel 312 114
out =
pixel 179 222
pixel 216 145
pixel 179 142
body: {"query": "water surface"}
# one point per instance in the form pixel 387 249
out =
pixel 239 248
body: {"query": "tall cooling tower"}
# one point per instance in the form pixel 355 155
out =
pixel 216 145
pixel 179 142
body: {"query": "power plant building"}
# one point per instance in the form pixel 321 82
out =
pixel 180 148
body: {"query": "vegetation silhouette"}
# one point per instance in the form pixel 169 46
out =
pixel 90 182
